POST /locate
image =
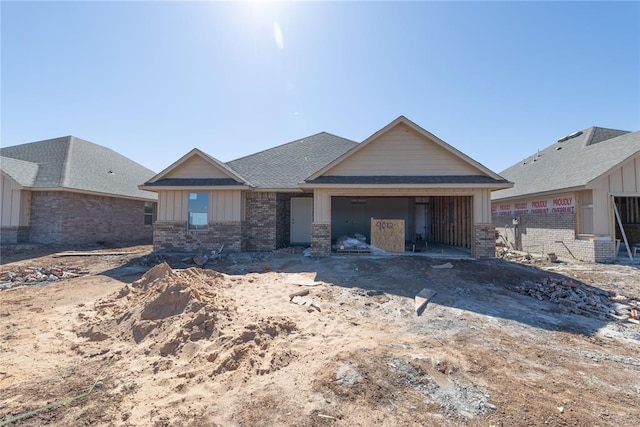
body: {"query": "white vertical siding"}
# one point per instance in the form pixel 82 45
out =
pixel 197 167
pixel 172 205
pixel 622 180
pixel 402 151
pixel 602 213
pixel 321 206
pixel 225 205
pixel 481 206
pixel 12 213
pixel 629 177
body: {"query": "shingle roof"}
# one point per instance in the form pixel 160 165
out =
pixel 571 163
pixel 434 179
pixel 287 165
pixel 192 182
pixel 24 173
pixel 73 163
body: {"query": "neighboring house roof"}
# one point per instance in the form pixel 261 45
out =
pixel 24 173
pixel 402 120
pixel 572 162
pixel 287 165
pixel 75 164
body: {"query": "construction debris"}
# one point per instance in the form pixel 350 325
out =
pixel 92 253
pixel 446 265
pixel 578 298
pixel 38 275
pixel 422 299
pixel 306 302
pixel 299 294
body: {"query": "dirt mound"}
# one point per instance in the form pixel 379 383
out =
pixel 167 309
pixel 163 310
pixel 250 349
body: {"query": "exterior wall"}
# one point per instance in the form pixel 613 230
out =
pixel 59 217
pixel 402 151
pixel 14 203
pixel 224 205
pixel 174 236
pixel 484 241
pixel 622 181
pixel 17 234
pixel 197 167
pixel 554 233
pixel 261 221
pixel 320 239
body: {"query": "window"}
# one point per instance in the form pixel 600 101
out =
pixel 198 210
pixel 148 213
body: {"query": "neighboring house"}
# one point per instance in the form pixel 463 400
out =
pixel 563 197
pixel 318 188
pixel 70 191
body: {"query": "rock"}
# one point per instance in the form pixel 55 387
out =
pixel 348 375
pixel 200 260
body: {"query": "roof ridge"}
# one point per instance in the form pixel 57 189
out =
pixel 66 166
pixel 289 143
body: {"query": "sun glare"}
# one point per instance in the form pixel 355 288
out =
pixel 266 14
pixel 277 35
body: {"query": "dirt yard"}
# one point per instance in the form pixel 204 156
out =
pixel 498 344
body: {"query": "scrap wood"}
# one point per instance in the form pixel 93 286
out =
pixel 64 254
pixel 422 298
pixel 299 294
pixel 447 265
pixel 307 302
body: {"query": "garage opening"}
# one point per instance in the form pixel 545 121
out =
pixel 444 220
pixel 629 210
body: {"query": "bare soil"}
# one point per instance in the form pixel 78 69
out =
pixel 161 342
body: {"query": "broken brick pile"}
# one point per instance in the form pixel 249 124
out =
pixel 38 275
pixel 582 299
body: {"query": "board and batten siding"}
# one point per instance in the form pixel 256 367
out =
pixel 224 205
pixel 401 151
pixel 624 180
pixel 197 167
pixel 15 203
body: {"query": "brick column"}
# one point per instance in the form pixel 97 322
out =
pixel 320 239
pixel 484 242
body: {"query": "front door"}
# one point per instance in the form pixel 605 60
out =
pixel 301 216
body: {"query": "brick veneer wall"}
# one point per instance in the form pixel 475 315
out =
pixel 15 234
pixel 555 233
pixel 174 236
pixel 261 221
pixel 320 239
pixel 484 241
pixel 283 219
pixel 60 217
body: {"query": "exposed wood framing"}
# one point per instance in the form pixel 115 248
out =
pixel 451 220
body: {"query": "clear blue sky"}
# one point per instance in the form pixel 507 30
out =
pixel 152 80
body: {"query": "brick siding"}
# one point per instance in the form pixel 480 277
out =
pixel 15 234
pixel 174 236
pixel 320 239
pixel 261 221
pixel 555 233
pixel 59 217
pixel 484 242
